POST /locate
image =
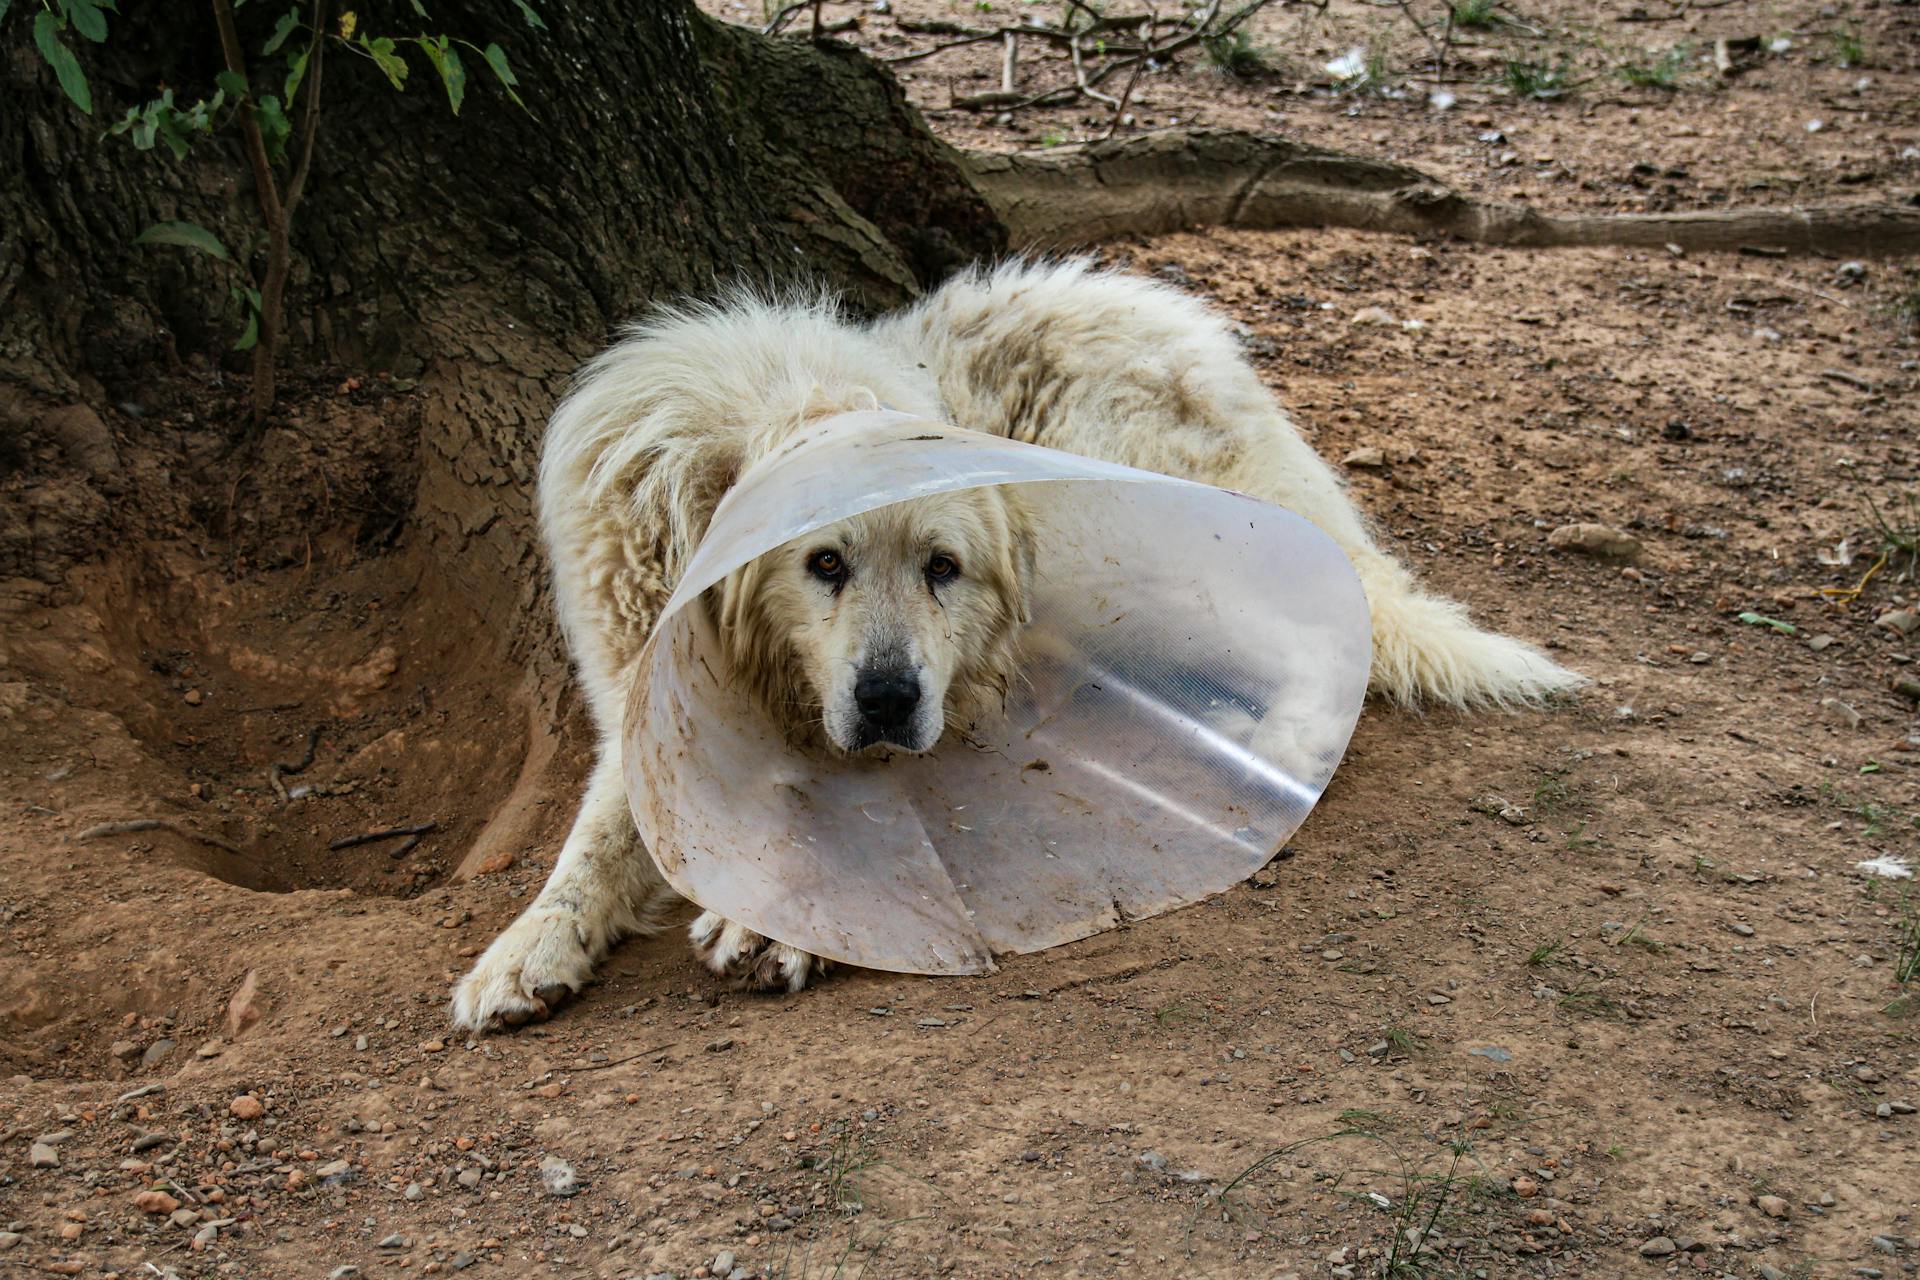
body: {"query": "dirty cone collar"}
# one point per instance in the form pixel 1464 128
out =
pixel 1192 673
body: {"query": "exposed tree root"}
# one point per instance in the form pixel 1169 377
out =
pixel 133 825
pixel 1179 180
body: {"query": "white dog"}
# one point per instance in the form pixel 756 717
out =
pixel 888 628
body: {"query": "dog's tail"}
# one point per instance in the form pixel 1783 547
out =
pixel 1426 650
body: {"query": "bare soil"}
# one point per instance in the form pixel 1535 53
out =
pixel 1543 988
pixel 1830 116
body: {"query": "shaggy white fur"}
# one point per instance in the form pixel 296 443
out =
pixel 1096 363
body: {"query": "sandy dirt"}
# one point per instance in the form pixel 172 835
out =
pixel 1590 993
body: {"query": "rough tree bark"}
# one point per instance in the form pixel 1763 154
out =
pixel 483 256
pixel 661 153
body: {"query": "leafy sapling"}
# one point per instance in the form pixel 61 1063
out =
pixel 260 98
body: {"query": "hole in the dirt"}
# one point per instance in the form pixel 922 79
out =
pixel 240 869
pixel 180 664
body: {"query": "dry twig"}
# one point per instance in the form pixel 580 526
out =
pixel 415 831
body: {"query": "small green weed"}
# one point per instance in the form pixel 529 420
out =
pixel 1402 1038
pixel 1906 308
pixel 1529 78
pixel 1662 72
pixel 1179 1013
pixel 1551 792
pixel 1589 999
pixel 1908 967
pixel 1848 49
pixel 1416 1201
pixel 1236 54
pixel 1357 1118
pixel 1634 937
pixel 1547 953
pixel 1367 70
pixel 1476 15
pixel 1899 533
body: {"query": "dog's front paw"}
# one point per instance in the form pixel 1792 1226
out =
pixel 751 961
pixel 526 975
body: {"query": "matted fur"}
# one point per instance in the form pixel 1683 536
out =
pixel 656 429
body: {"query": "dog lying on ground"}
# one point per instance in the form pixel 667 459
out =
pixel 890 627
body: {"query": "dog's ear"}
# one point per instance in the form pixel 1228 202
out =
pixel 756 647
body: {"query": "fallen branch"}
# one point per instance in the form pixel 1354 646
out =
pixel 1178 180
pixel 133 825
pixel 1194 28
pixel 1126 96
pixel 617 1062
pixel 389 833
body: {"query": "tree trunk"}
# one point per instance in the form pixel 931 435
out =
pixel 661 153
pixel 482 257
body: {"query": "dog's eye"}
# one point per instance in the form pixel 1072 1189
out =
pixel 827 566
pixel 942 569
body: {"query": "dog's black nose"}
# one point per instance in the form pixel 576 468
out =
pixel 886 699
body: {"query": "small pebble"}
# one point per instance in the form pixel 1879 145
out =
pixel 157 1203
pixel 558 1177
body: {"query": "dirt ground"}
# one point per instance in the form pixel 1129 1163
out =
pixel 1597 992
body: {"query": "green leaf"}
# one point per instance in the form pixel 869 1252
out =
pixel 533 19
pixel 281 30
pixel 66 68
pixel 87 19
pixel 296 71
pixel 275 128
pixel 186 235
pixel 233 84
pixel 1753 619
pixel 419 8
pixel 251 335
pixel 4 6
pixel 446 60
pixel 497 59
pixel 381 51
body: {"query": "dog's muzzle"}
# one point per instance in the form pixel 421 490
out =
pixel 887 701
